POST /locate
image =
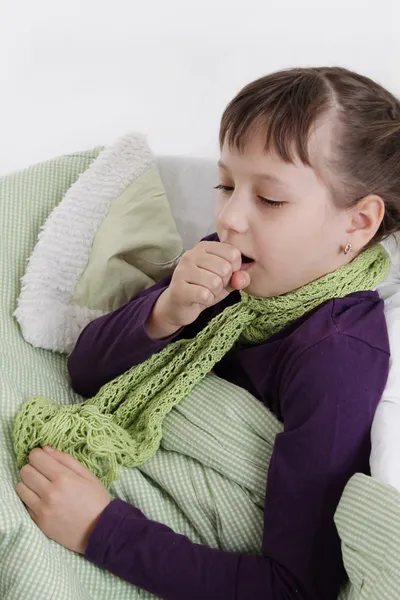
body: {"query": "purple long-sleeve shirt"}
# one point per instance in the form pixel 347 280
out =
pixel 322 376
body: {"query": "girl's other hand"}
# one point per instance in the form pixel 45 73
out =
pixel 63 498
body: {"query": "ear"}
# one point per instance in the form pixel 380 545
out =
pixel 365 219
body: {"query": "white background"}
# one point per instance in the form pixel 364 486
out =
pixel 78 73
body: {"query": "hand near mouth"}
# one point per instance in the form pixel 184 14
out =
pixel 204 276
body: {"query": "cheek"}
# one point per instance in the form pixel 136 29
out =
pixel 298 233
pixel 333 227
pixel 313 224
pixel 288 229
pixel 217 209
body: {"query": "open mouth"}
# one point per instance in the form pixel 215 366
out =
pixel 247 262
pixel 246 259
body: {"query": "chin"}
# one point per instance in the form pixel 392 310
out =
pixel 253 291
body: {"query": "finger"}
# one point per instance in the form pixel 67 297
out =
pixel 240 280
pixel 207 279
pixel 197 294
pixel 44 463
pixel 191 273
pixel 28 497
pixel 32 515
pixel 68 461
pixel 226 251
pixel 216 264
pixel 34 480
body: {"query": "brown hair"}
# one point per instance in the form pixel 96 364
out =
pixel 366 156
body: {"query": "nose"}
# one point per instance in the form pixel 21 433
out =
pixel 233 214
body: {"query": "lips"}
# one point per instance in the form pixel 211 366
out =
pixel 247 263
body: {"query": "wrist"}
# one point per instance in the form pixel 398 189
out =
pixel 90 529
pixel 157 325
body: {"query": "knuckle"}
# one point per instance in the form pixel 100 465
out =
pixel 216 283
pixel 207 296
pixel 184 258
pixel 33 453
pixel 226 269
pixel 25 470
pixel 52 499
pixel 236 254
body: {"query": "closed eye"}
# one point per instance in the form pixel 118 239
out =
pixel 267 201
pixel 225 188
pixel 271 203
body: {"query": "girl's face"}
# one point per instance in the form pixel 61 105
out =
pixel 281 215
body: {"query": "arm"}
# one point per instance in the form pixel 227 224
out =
pixel 113 343
pixel 329 397
pixel 152 557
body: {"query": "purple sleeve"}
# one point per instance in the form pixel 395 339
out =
pixel 112 344
pixel 328 396
pixel 152 557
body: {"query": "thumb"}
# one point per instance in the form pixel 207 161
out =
pixel 240 280
pixel 70 462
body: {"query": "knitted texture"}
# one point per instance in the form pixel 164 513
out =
pixel 122 424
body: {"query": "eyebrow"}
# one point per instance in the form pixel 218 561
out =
pixel 263 176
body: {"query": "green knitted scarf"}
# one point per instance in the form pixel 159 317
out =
pixel 122 424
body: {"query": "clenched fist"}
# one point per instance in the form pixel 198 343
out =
pixel 204 276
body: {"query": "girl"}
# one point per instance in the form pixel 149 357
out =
pixel 309 184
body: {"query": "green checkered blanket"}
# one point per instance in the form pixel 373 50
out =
pixel 207 481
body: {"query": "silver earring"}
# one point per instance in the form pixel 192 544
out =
pixel 348 248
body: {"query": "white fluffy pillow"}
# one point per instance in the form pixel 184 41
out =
pixel 111 236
